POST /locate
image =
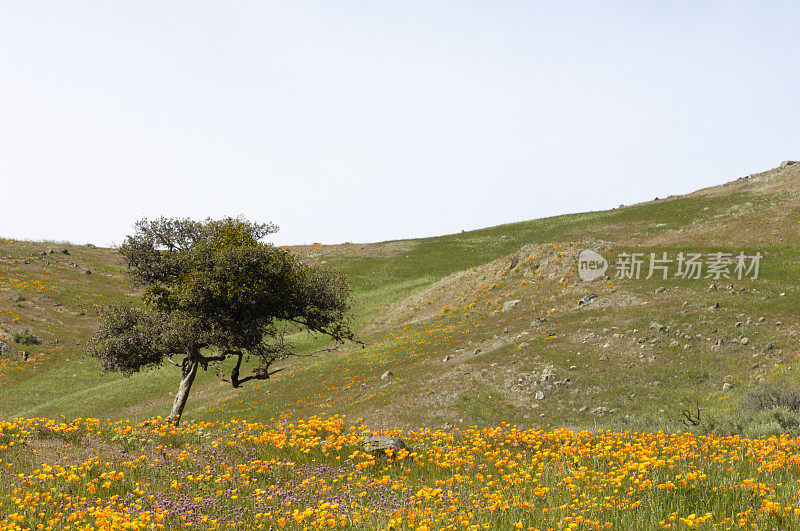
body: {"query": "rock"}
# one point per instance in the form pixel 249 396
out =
pixel 726 386
pixel 505 330
pixel 477 351
pixel 762 319
pixel 387 375
pixel 510 304
pixel 787 163
pixel 739 324
pixel 448 357
pixel 744 341
pixel 538 321
pixel 87 272
pixel 587 299
pixel 379 444
pixel 769 347
pixel 661 289
pixel 62 251
pixel 728 378
pixel 6 349
pixel 539 395
pixel 547 375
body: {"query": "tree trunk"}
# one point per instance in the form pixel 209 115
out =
pixel 189 372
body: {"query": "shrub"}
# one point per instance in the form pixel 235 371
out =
pixel 754 424
pixel 24 337
pixel 768 396
pixel 765 410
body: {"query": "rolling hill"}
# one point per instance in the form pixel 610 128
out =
pixel 468 328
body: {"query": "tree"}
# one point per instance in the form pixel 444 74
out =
pixel 214 291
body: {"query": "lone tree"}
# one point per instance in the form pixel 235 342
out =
pixel 214 291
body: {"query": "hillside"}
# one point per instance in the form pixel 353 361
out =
pixel 438 314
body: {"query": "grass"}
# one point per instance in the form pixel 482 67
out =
pixel 495 445
pixel 62 303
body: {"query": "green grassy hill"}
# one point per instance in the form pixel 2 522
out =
pixel 431 312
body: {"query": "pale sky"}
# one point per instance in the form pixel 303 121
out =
pixel 367 121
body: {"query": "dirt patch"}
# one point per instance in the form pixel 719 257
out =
pixel 479 286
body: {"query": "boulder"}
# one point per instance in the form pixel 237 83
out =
pixel 379 444
pixel 510 304
pixel 6 349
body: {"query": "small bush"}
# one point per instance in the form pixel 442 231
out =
pixel 24 337
pixel 765 410
pixel 17 297
pixel 754 424
pixel 769 396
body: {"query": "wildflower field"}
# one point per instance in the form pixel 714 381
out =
pixel 431 312
pixel 309 474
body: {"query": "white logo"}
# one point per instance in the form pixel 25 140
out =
pixel 591 265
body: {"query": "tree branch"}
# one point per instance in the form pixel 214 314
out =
pixel 258 376
pixel 205 360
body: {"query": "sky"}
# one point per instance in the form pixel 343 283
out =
pixel 369 121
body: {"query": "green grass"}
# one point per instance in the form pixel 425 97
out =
pixel 62 302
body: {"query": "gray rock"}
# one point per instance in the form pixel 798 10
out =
pixel 510 304
pixel 726 386
pixel 661 289
pixel 539 395
pixel 379 444
pixel 744 341
pixel 448 357
pixel 587 299
pixel 6 349
pixel 387 375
